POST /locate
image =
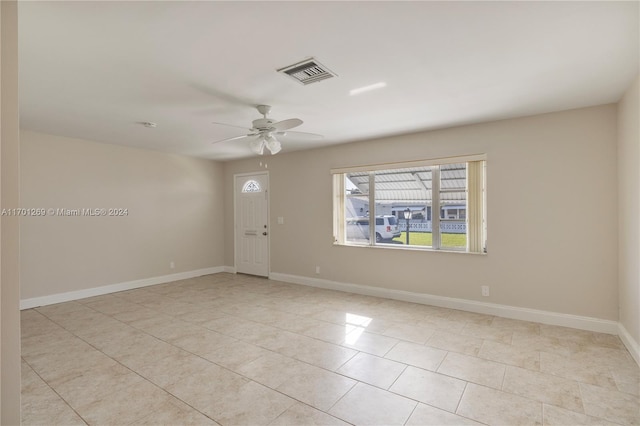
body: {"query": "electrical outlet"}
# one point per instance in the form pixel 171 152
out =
pixel 172 265
pixel 280 220
pixel 485 290
pixel 317 269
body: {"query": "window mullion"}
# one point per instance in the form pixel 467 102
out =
pixel 435 207
pixel 475 207
pixel 339 215
pixel 372 208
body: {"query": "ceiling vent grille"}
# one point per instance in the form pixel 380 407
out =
pixel 307 72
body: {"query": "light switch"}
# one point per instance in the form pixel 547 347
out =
pixel 280 220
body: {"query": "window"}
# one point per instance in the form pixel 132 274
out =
pixel 395 205
pixel 251 186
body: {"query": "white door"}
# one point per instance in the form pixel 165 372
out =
pixel 251 219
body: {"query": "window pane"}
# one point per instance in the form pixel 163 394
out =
pixel 356 207
pixel 453 206
pixel 399 191
pixel 439 206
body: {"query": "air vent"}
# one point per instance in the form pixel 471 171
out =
pixel 307 72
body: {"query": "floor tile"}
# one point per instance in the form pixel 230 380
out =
pixel 332 316
pixel 328 332
pixel 301 414
pixel 611 405
pixel 61 308
pixel 141 352
pixel 627 379
pixel 373 370
pixel 140 400
pixel 230 408
pixel 237 349
pixel 473 369
pixel 371 343
pixel 502 335
pixel 448 341
pixel 201 388
pixel 556 416
pixel 426 415
pixel 470 317
pixel 40 405
pixel 442 323
pixel 234 354
pixel 285 342
pixel 74 364
pixel 416 355
pixel 592 373
pixel 323 354
pixel 565 333
pixel 367 405
pixel 607 340
pixel 292 322
pixel 526 327
pixel 271 369
pixel 168 370
pixel 543 387
pixel 317 387
pixel 95 384
pixel 203 342
pixel 140 314
pixel 431 388
pixel 34 324
pixel 495 407
pixel 170 329
pixel 201 316
pixel 613 358
pixel 549 344
pixel 408 332
pixel 113 306
pixel 509 354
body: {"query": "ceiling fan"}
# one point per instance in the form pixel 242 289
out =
pixel 264 131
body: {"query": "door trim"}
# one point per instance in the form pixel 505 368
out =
pixel 235 225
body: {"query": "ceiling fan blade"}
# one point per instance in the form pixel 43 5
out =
pixel 300 135
pixel 234 138
pixel 231 125
pixel 287 124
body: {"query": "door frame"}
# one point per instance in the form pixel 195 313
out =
pixel 235 224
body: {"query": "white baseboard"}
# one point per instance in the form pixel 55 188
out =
pixel 525 314
pixel 629 342
pixel 229 269
pixel 112 288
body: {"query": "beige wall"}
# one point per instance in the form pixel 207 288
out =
pixel 174 204
pixel 9 230
pixel 552 225
pixel 629 210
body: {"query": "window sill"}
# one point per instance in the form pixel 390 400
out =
pixel 412 248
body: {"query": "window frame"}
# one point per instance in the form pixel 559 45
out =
pixel 475 215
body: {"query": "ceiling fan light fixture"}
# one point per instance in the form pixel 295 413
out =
pixel 257 146
pixel 273 145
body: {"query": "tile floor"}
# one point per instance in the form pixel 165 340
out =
pixel 237 350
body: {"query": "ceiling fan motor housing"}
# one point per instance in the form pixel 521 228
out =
pixel 263 123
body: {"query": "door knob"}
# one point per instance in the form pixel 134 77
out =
pixel 264 233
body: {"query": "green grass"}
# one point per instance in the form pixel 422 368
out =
pixel 424 239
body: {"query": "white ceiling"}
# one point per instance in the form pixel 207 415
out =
pixel 95 70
